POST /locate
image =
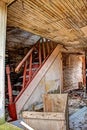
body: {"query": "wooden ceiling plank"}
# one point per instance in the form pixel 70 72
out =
pixel 55 20
pixel 5 1
pixel 67 22
pixel 52 9
pixel 42 10
pixel 78 5
pixel 74 11
pixel 24 20
pixel 8 1
pixel 30 21
pixel 20 17
pixel 70 11
pixel 82 8
pixel 67 16
pixel 33 11
pixel 55 12
pixel 33 14
pixel 85 3
pixel 49 18
pixel 62 20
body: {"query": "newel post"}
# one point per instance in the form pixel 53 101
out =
pixel 11 105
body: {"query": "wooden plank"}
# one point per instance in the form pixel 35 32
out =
pixel 8 1
pixel 42 124
pixel 3 18
pixel 43 115
pixel 55 102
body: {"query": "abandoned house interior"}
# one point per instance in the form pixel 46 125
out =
pixel 43 64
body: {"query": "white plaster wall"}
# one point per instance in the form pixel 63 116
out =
pixel 51 82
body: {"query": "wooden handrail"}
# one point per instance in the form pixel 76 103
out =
pixel 24 59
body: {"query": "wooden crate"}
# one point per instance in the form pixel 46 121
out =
pixel 54 116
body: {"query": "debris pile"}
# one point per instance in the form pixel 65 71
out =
pixel 77 109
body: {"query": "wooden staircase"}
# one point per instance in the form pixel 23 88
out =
pixel 33 66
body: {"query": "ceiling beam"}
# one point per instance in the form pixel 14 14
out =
pixel 8 1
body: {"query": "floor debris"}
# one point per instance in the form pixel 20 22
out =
pixel 78 120
pixel 77 110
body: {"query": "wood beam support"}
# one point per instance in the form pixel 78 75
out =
pixel 3 18
pixel 8 2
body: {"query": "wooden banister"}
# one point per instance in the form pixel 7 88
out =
pixel 24 59
pixel 11 104
pixel 43 48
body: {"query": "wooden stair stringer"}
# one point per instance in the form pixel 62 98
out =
pixel 34 83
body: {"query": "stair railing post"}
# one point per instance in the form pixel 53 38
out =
pixel 9 84
pixel 48 49
pixel 24 75
pixel 11 105
pixel 40 58
pixel 30 67
pixel 44 53
pixel 52 45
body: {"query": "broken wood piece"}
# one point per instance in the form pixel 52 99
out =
pixel 26 126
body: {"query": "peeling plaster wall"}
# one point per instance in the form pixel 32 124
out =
pixel 50 83
pixel 72 71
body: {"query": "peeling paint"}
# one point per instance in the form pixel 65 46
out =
pixel 51 85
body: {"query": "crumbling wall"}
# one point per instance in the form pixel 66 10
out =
pixel 72 71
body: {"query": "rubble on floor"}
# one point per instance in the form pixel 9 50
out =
pixel 77 104
pixel 78 120
pixel 17 123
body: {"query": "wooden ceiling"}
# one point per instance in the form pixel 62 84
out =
pixel 63 21
pixel 8 1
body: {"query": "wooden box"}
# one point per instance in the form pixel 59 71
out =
pixel 54 116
